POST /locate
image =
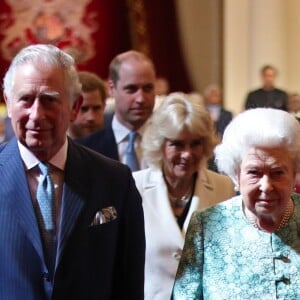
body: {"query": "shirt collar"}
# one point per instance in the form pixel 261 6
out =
pixel 58 160
pixel 121 132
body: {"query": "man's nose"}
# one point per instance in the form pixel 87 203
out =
pixel 90 115
pixel 37 110
pixel 140 95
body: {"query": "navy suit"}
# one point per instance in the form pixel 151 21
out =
pixel 102 141
pixel 103 262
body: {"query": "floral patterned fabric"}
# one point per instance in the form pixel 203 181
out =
pixel 226 258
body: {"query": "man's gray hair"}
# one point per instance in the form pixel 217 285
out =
pixel 48 55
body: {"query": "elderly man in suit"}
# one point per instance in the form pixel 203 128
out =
pixel 132 85
pixel 76 232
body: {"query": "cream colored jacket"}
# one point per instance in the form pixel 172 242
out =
pixel 164 239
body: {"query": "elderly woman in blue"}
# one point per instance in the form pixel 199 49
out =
pixel 249 246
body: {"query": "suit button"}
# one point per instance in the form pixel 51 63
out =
pixel 283 279
pixel 46 276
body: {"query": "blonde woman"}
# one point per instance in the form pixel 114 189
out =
pixel 177 143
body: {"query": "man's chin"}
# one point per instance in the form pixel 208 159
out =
pixel 36 144
pixel 139 119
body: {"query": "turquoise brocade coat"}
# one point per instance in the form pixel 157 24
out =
pixel 226 258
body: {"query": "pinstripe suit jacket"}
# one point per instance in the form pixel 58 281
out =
pixel 103 261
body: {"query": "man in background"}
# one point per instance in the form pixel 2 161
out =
pixel 132 85
pixel 221 117
pixel 90 117
pixel 268 95
pixel 213 102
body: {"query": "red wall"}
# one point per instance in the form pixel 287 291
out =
pixel 112 34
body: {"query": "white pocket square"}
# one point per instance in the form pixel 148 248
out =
pixel 105 215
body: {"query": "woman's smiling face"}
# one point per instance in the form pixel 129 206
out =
pixel 182 155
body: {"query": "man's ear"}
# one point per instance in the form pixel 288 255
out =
pixel 7 105
pixel 75 108
pixel 110 88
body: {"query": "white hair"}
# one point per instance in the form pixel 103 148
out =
pixel 40 55
pixel 259 127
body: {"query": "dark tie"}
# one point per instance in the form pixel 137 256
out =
pixel 131 158
pixel 45 196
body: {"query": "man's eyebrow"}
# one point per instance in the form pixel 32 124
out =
pixel 51 94
pixel 130 85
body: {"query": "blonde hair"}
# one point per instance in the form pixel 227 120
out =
pixel 176 113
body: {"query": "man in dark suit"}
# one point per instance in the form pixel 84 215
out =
pixel 268 95
pixel 90 117
pixel 221 117
pixel 214 105
pixel 94 248
pixel 132 86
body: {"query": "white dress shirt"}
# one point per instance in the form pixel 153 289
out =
pixel 57 166
pixel 121 135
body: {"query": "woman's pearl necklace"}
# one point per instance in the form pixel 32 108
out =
pixel 285 219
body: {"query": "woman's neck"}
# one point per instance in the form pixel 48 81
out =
pixel 270 223
pixel 178 187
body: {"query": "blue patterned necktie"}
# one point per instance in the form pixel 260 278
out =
pixel 131 158
pixel 45 196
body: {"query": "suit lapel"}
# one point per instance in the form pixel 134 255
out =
pixel 109 144
pixel 204 189
pixel 71 207
pixel 203 197
pixel 74 192
pixel 156 199
pixel 16 191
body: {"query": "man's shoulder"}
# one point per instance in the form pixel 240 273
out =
pixel 252 96
pixel 256 91
pixel 280 91
pixel 87 153
pixel 94 166
pixel 97 139
pixel 97 136
pixel 8 146
pixel 225 113
pixel 2 146
pixel 103 142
